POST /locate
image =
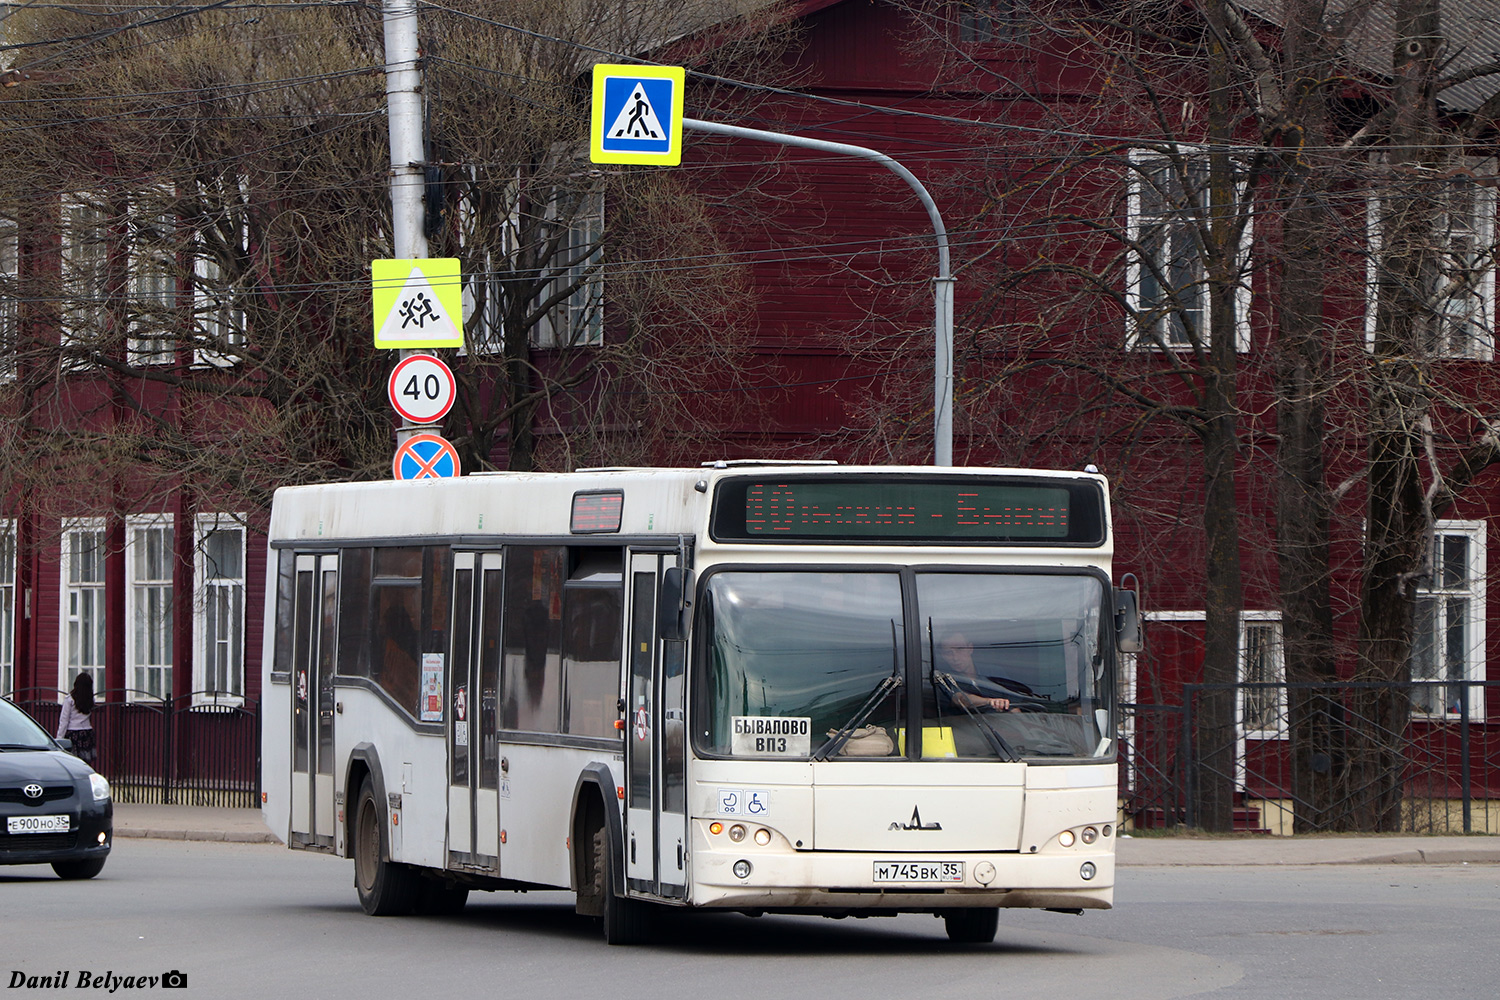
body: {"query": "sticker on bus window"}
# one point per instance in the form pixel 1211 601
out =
pixel 771 736
pixel 432 687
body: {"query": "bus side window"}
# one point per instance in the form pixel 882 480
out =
pixel 591 658
pixel 285 578
pixel 354 612
pixel 531 679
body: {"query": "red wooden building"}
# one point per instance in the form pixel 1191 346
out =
pixel 1072 177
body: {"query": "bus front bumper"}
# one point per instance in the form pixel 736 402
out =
pixel 1060 879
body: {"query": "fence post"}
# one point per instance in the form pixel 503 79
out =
pixel 1465 775
pixel 168 725
pixel 1189 759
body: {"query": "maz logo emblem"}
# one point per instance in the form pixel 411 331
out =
pixel 916 823
pixel 32 791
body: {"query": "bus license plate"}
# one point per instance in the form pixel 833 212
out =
pixel 919 871
pixel 36 824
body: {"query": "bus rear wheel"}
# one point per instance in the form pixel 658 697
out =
pixel 972 925
pixel 386 888
pixel 626 921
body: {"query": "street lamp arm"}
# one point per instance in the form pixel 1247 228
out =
pixel 942 410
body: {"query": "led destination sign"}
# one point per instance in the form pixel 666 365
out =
pixel 910 509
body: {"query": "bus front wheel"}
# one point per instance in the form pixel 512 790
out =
pixel 386 888
pixel 626 921
pixel 972 925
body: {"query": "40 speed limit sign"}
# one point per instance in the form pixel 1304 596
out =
pixel 422 388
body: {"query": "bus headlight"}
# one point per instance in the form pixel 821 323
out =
pixel 736 833
pixel 762 837
pixel 1090 835
pixel 741 869
pixel 1087 871
pixel 1065 838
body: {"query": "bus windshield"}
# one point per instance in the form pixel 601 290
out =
pixel 799 664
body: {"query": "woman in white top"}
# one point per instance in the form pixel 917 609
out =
pixel 75 723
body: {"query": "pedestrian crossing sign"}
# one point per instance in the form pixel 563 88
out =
pixel 637 115
pixel 418 303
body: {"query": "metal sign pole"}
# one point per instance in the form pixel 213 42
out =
pixel 942 408
pixel 403 95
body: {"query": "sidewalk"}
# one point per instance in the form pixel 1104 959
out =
pixel 245 826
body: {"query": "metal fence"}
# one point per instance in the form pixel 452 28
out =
pixel 1419 757
pixel 192 750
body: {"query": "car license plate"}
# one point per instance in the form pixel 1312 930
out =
pixel 919 871
pixel 36 824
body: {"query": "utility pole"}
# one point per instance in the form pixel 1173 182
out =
pixel 403 97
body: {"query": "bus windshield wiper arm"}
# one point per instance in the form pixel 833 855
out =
pixel 841 735
pixel 997 742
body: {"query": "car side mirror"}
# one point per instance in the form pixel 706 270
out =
pixel 1128 629
pixel 65 743
pixel 674 603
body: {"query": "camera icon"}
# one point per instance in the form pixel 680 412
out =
pixel 174 980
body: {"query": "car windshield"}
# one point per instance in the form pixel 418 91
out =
pixel 800 664
pixel 18 732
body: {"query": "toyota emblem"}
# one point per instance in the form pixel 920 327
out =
pixel 32 791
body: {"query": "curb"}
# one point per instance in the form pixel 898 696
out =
pixel 222 836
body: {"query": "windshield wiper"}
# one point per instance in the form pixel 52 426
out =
pixel 997 742
pixel 890 683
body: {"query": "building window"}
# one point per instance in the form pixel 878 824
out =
pixel 1463 280
pixel 1449 641
pixel 153 279
pixel 993 22
pixel 218 306
pixel 219 611
pixel 578 276
pixel 10 299
pixel 1262 710
pixel 149 607
pixel 84 276
pixel 491 241
pixel 1166 277
pixel 83 602
pixel 7 606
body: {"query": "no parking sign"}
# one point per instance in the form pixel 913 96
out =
pixel 425 456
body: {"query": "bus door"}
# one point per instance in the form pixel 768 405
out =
pixel 656 741
pixel 313 650
pixel 473 693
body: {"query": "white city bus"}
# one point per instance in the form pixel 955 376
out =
pixel 760 687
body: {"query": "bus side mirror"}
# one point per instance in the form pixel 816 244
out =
pixel 674 603
pixel 1127 621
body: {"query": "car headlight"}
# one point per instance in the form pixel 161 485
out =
pixel 100 784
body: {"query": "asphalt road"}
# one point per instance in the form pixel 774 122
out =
pixel 242 920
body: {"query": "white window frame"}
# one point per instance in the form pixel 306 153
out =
pixel 1442 594
pixel 1479 341
pixel 487 336
pixel 149 644
pixel 1158 336
pixel 1268 623
pixel 218 311
pixel 83 612
pixel 10 299
pixel 152 283
pixel 218 606
pixel 577 321
pixel 84 263
pixel 7 606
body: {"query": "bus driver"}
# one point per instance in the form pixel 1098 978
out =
pixel 956 656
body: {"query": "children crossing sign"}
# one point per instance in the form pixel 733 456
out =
pixel 637 115
pixel 418 303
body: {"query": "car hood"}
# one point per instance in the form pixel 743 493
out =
pixel 40 765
